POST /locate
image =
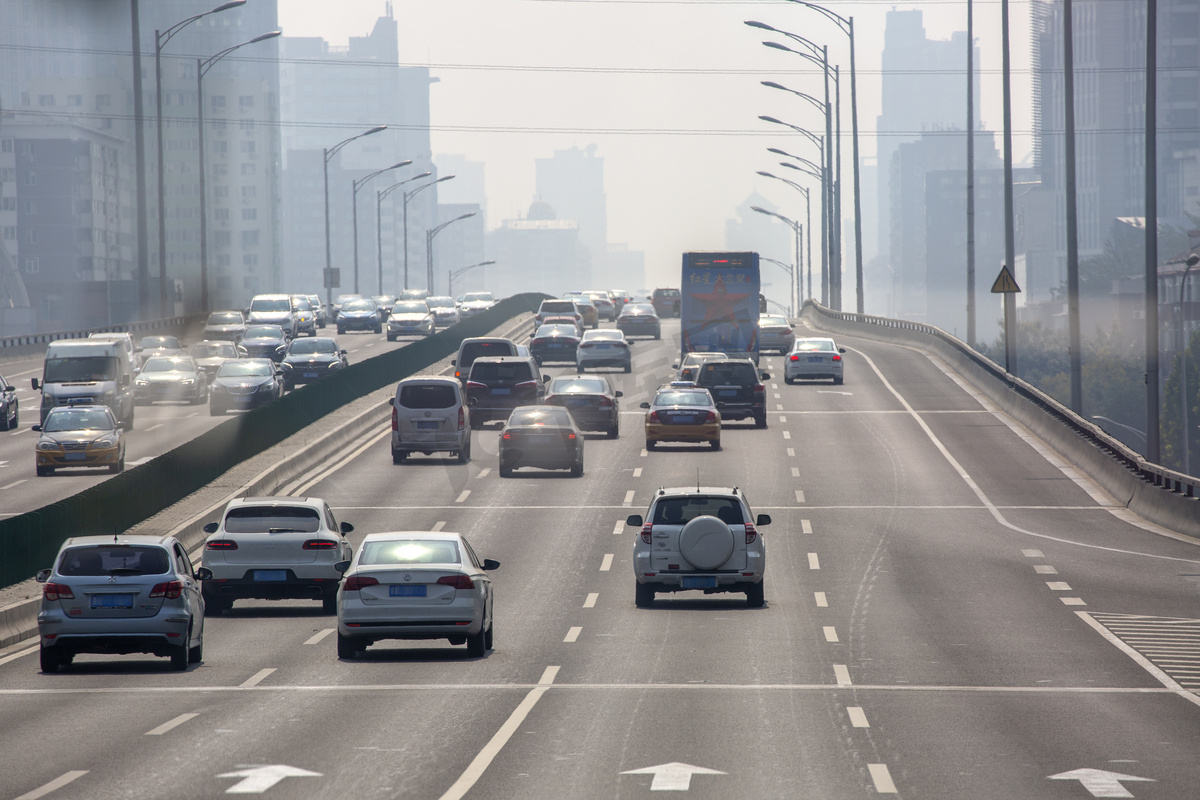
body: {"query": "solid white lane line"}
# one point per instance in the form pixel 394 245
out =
pixel 257 678
pixel 14 483
pixel 628 498
pixel 319 635
pixel 830 634
pixel 787 434
pixel 465 494
pixel 483 473
pixel 805 526
pixel 170 724
pixel 799 495
pixel 1073 601
pixel 1045 569
pixel 858 719
pixel 573 634
pixel 57 783
pixel 18 433
pixel 300 487
pixel 590 602
pixel 1058 586
pixel 437 526
pixel 791 453
pixel 882 779
pixel 1032 553
pixel 15 656
pixel 841 674
pixel 606 564
pixel 152 428
pixel 637 473
pixel 822 602
pixel 813 561
pixel 618 527
pixel 795 472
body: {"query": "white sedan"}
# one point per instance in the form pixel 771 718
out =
pixel 814 358
pixel 410 317
pixel 415 585
pixel 604 348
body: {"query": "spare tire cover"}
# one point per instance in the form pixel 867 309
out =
pixel 706 542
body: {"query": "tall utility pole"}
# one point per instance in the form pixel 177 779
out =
pixel 1151 172
pixel 1010 247
pixel 139 146
pixel 1074 344
pixel 970 174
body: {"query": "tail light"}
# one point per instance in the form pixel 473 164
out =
pixel 605 402
pixel 508 435
pixel 837 358
pixel 646 529
pixel 57 591
pixel 569 436
pixel 586 345
pixel 320 544
pixel 525 385
pixel 537 342
pixel 794 358
pixel 357 582
pixel 759 388
pixel 457 581
pixel 170 590
pixel 654 417
pixel 462 418
pixel 712 417
pixel 751 533
pixel 221 544
pixel 458 374
pixel 396 420
pixel 476 385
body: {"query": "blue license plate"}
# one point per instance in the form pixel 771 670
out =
pixel 815 359
pixel 112 601
pixel 310 374
pixel 728 393
pixel 501 391
pixel 270 574
pixel 604 347
pixel 427 425
pixel 75 457
pixel 406 591
pixel 700 583
pixel 576 403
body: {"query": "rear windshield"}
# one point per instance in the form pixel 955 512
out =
pixel 584 385
pixel 681 510
pixel 429 395
pixel 410 307
pixel 225 319
pixel 553 417
pixel 474 350
pixel 272 519
pixel 410 551
pixel 215 349
pixel 727 374
pixel 360 305
pixel 815 345
pixel 111 559
pixel 683 399
pixel 556 330
pixel 558 306
pixel 607 334
pixel 256 368
pixel 475 297
pixel 264 332
pixel 308 347
pixel 503 371
pixel 152 342
pixel 168 365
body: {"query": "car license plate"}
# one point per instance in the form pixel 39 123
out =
pixel 406 591
pixel 728 393
pixel 700 583
pixel 310 374
pixel 112 601
pixel 815 359
pixel 577 402
pixel 270 574
pixel 427 425
pixel 501 391
pixel 75 457
pixel 604 347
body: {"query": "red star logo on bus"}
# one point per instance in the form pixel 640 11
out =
pixel 720 305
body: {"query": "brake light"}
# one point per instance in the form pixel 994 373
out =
pixel 536 342
pixel 508 435
pixel 568 435
pixel 395 420
pixel 457 581
pixel 57 591
pixel 526 384
pixel 221 544
pixel 837 358
pixel 605 402
pixel 170 590
pixel 320 544
pixel 458 374
pixel 759 388
pixel 794 358
pixel 462 418
pixel 356 582
pixel 586 345
pixel 476 385
pixel 654 417
pixel 646 529
pixel 712 417
pixel 751 533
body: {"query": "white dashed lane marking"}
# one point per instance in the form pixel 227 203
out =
pixel 841 674
pixel 1045 569
pixel 799 495
pixel 1073 601
pixel 1032 553
pixel 813 561
pixel 437 526
pixel 1058 586
pixel 787 434
pixel 462 497
pixel 628 498
pixel 805 526
pixel 573 634
pixel 858 719
pixel 590 602
pixel 819 597
pixel 54 785
pixel 170 724
pixel 606 563
pixel 637 473
pixel 258 678
pixel 319 635
pixel 795 472
pixel 483 473
pixel 617 528
pixel 791 453
pixel 830 634
pixel 882 779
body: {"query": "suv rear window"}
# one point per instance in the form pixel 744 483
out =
pixel 102 560
pixel 682 510
pixel 428 396
pixel 727 375
pixel 267 519
pixel 501 371
pixel 475 350
pixel 558 307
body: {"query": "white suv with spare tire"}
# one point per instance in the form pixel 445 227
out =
pixel 703 539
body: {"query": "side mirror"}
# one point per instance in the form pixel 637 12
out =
pixel 211 527
pixel 453 363
pixel 37 428
pixel 10 389
pixel 618 394
pixel 42 576
pixel 341 566
pixel 490 564
pixel 343 352
pixel 203 574
pixel 391 401
pixel 34 382
pixel 346 527
pixel 763 519
pixel 634 520
pixel 643 405
pixel 766 376
pixel 472 402
pixel 545 379
pixel 674 366
pixel 841 349
pixel 120 426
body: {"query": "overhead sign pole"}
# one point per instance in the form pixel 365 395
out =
pixel 1007 285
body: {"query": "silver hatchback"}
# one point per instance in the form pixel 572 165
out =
pixel 119 595
pixel 430 415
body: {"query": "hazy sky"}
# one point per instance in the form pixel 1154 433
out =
pixel 667 89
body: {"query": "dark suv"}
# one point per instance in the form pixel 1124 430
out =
pixel 736 386
pixel 666 302
pixel 498 384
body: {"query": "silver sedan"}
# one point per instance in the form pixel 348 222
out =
pixel 415 585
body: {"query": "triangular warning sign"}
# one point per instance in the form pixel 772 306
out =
pixel 1004 282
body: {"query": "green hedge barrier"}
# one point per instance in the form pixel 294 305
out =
pixel 30 541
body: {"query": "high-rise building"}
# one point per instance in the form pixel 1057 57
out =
pixel 572 183
pixel 540 253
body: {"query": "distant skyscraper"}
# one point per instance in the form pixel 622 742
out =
pixel 572 183
pixel 540 253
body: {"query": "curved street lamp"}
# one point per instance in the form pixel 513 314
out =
pixel 358 184
pixel 808 216
pixel 798 229
pixel 429 234
pixel 786 268
pixel 409 196
pixel 328 154
pixel 160 40
pixel 380 196
pixel 458 272
pixel 203 65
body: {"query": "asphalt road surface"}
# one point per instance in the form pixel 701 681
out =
pixel 952 612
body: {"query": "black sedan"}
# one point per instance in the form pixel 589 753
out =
pixel 639 319
pixel 265 341
pixel 9 412
pixel 309 360
pixel 540 436
pixel 359 315
pixel 590 399
pixel 244 383
pixel 554 343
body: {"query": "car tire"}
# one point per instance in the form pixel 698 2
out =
pixel 464 455
pixel 628 368
pixel 50 659
pixel 341 331
pixel 215 411
pixel 577 470
pixel 6 424
pixel 42 472
pixel 399 456
pixel 837 381
pixel 196 654
pixel 117 467
pixel 329 603
pixel 215 605
pixel 651 444
pixel 489 638
pixel 788 381
pixel 198 399
pixel 715 444
pixel 129 422
pixel 658 335
pixel 179 657
pixel 378 329
pixel 614 432
pixel 505 472
pixel 755 597
pixel 643 595
pixel 476 423
pixel 760 420
pixel 391 338
pixel 347 648
pixel 477 644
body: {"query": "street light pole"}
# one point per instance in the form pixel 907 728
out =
pixel 809 238
pixel 791 274
pixel 139 147
pixel 203 65
pixel 458 272
pixel 409 196
pixel 1185 424
pixel 429 244
pixel 379 198
pixel 328 154
pixel 358 184
pixel 797 229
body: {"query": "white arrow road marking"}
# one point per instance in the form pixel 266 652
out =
pixel 1098 782
pixel 673 777
pixel 256 780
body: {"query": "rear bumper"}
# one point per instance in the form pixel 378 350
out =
pixel 705 432
pixel 294 588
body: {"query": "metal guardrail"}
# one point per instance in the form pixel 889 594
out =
pixel 1154 474
pixel 27 339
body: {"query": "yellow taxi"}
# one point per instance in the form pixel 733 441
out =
pixel 80 436
pixel 682 412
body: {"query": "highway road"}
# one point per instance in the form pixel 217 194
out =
pixel 952 612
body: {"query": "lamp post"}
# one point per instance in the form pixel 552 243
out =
pixel 160 41
pixel 827 209
pixel 432 232
pixel 203 65
pixel 139 154
pixel 358 184
pixel 808 217
pixel 379 198
pixel 1192 261
pixel 328 154
pixel 409 196
pixel 797 228
pixel 791 274
pixel 458 272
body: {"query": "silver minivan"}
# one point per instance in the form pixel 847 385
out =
pixel 430 415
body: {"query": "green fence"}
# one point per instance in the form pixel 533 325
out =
pixel 30 541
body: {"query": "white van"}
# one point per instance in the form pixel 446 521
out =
pixel 87 372
pixel 122 338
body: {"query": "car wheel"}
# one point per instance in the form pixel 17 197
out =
pixel 489 638
pixel 788 381
pixel 658 335
pixel 215 411
pixel 837 381
pixel 329 603
pixel 347 648
pixel 715 444
pixel 464 455
pixel 117 467
pixel 505 472
pixel 215 605
pixel 129 422
pixel 477 644
pixel 179 657
pixel 476 423
pixel 628 368
pixel 16 420
pixel 760 420
pixel 50 660
pixel 644 595
pixel 341 330
pixel 391 338
pixel 378 329
pixel 6 424
pixel 579 368
pixel 42 472
pixel 754 595
pixel 196 654
pixel 577 470
pixel 614 431
pixel 399 456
